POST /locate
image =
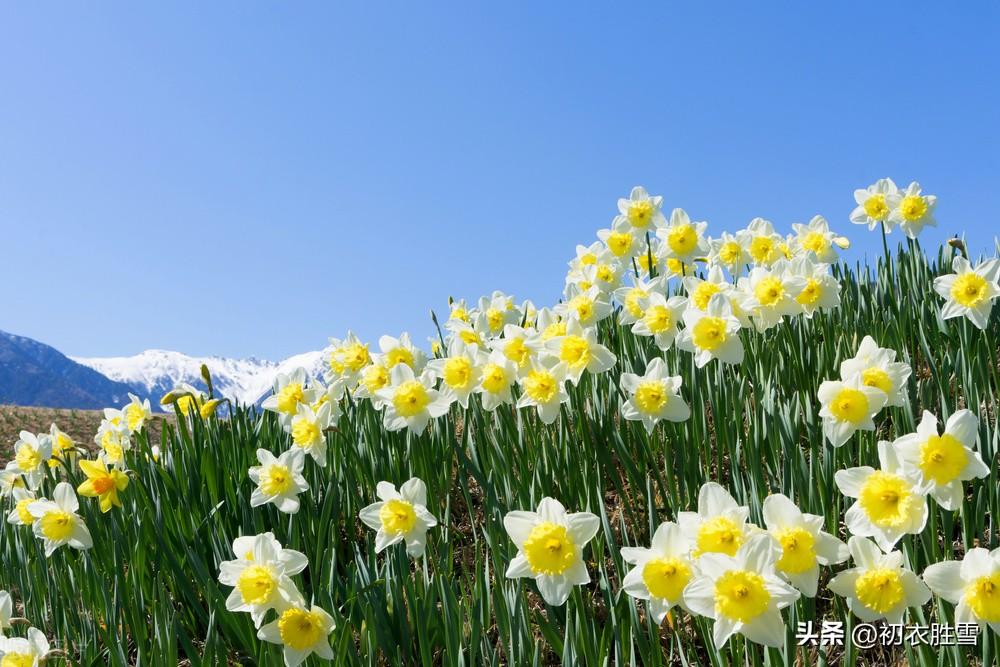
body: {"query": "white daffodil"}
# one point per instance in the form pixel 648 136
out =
pixel 57 523
pixel 653 396
pixel 31 454
pixel 847 407
pixel 712 334
pixel 764 245
pixel 459 372
pixel 912 210
pixel 301 632
pixel 11 479
pixel 880 585
pixel 307 428
pixel 19 515
pixel 374 377
pixel 889 503
pixel 820 291
pixel 460 331
pixel 701 290
pixel 290 390
pixel 588 306
pixel 621 239
pixel 684 240
pixel 549 324
pixel 877 367
pixel 395 351
pixel 972 585
pixel 410 400
pixel 641 210
pixel 345 360
pixel 940 463
pixel 63 447
pixel 550 546
pixel 260 577
pixel 660 317
pixel 580 351
pixel 136 414
pixel 586 255
pixel 279 479
pixel 633 298
pixel 730 252
pixel 400 516
pixel 497 375
pixel 969 292
pixel 816 238
pixel 661 572
pixel 544 386
pixel 804 546
pixel 742 593
pixel 27 651
pixel 874 204
pixel 719 525
pixel 114 441
pixel 774 291
pixel 519 345
pixel 496 311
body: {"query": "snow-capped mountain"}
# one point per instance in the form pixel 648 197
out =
pixel 154 372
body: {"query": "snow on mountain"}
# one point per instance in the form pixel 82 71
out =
pixel 154 372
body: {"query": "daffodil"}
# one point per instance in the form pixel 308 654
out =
pixel 27 651
pixel 803 544
pixel 880 585
pixel 31 454
pixel 308 429
pixel 641 210
pixel 279 479
pixel 660 573
pixel 11 479
pixel 260 577
pixel 874 204
pixel 374 377
pixel 586 255
pixel 889 502
pixel 588 306
pixel 57 523
pixel 817 239
pixel 345 360
pixel 579 350
pixel 459 372
pixel 290 390
pixel 684 240
pixel 550 546
pixel 877 368
pixel 621 239
pixel 497 375
pixel 653 396
pixel 660 318
pixel 940 463
pixel 730 252
pixel 19 515
pixel 972 585
pixel 63 447
pixel 774 291
pixel 497 311
pixel 114 441
pixel 400 516
pixel 742 593
pixel 301 632
pixel 912 210
pixel 519 345
pixel 764 245
pixel 820 290
pixel 136 413
pixel 544 387
pixel 969 291
pixel 719 525
pixel 634 298
pixel 410 400
pixel 102 483
pixel 652 259
pixel 395 351
pixel 847 407
pixel 712 334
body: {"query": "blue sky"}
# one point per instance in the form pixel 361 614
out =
pixel 248 178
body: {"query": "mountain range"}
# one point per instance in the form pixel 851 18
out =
pixel 32 373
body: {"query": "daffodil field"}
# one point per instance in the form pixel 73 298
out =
pixel 710 445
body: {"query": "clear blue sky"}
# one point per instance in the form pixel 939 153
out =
pixel 247 178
